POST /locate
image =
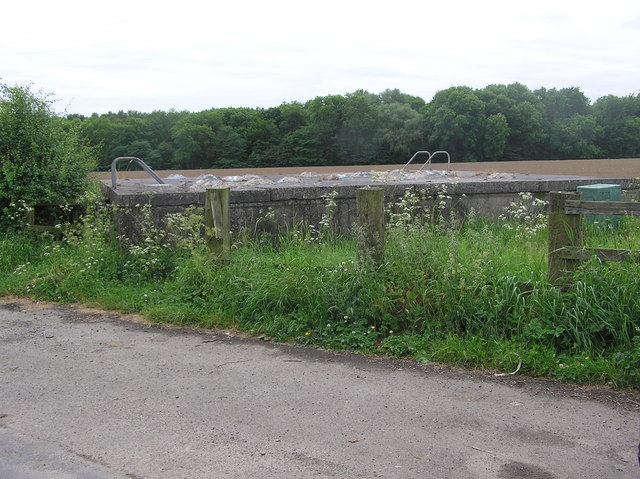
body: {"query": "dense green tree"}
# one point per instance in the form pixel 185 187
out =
pixel 302 148
pixel 147 136
pixel 520 108
pixel 260 133
pixel 574 137
pixel 43 157
pixel 100 132
pixel 400 131
pixel 291 117
pixel 355 141
pixel 498 122
pixel 229 149
pixel 496 136
pixel 619 122
pixel 325 120
pixel 563 103
pixel 455 123
pixel 570 129
pixel 158 125
pixel 389 97
pixel 194 140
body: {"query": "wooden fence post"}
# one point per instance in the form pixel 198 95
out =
pixel 31 216
pixel 564 230
pixel 370 225
pixel 216 220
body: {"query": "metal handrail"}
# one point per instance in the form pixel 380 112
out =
pixel 414 155
pixel 428 162
pixel 143 165
pixel 434 154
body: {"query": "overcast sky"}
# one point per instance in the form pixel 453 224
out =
pixel 194 55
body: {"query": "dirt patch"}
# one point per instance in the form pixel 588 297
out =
pixel 12 303
pixel 602 168
pixel 520 470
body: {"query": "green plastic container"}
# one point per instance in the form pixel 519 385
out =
pixel 601 192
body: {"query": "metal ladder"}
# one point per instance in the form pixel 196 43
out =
pixel 428 162
pixel 143 165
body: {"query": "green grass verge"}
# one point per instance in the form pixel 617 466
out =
pixel 473 295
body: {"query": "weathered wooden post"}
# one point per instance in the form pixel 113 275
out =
pixel 370 225
pixel 216 220
pixel 564 230
pixel 30 216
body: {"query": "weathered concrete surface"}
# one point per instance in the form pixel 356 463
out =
pixel 23 457
pixel 302 198
pixel 153 402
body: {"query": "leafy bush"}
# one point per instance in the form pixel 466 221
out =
pixel 43 158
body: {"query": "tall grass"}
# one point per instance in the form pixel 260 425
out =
pixel 472 293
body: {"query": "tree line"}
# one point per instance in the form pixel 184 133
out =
pixel 495 123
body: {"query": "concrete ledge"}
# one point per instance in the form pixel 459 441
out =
pixel 286 204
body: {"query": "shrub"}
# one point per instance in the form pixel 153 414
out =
pixel 43 158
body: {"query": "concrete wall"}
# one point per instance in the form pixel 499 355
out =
pixel 276 207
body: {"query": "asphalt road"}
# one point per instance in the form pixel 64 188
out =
pixel 88 394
